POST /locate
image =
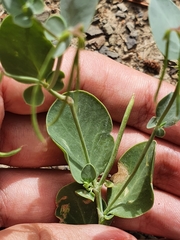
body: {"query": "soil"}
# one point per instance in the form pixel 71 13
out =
pixel 121 31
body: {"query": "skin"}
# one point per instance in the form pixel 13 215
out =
pixel 27 194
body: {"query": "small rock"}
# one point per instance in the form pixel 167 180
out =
pixel 94 31
pixel 95 21
pixel 130 43
pixel 108 29
pixel 127 56
pixel 145 16
pixel 98 42
pixel 113 40
pixel 43 16
pixel 115 1
pixel 112 55
pixel 120 14
pixel 122 7
pixel 134 34
pixel 104 50
pixel 130 26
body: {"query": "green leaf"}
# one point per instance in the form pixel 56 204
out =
pixel 23 52
pixel 165 15
pixel 73 209
pixel 137 198
pixel 57 25
pixel 34 95
pixel 14 7
pixel 17 7
pixel 160 132
pixel 59 83
pixel 86 194
pixel 88 173
pixel 78 11
pixel 22 10
pixel 37 6
pixel 152 123
pixel 95 124
pixel 171 117
pixel 24 19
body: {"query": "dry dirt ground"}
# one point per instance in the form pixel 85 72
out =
pixel 120 30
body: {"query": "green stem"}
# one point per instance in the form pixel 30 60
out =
pixel 34 115
pixel 11 153
pixel 98 197
pixel 74 114
pixel 55 74
pixel 165 64
pixel 65 35
pixel 118 141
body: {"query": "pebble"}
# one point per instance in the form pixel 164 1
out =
pixel 43 16
pixel 120 14
pixel 127 56
pixel 97 42
pixel 103 50
pixel 108 29
pixel 130 26
pixel 134 34
pixel 130 42
pixel 94 31
pixel 122 7
pixel 112 55
pixel 113 40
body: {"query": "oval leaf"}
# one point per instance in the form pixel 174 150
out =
pixel 86 194
pixel 18 7
pixel 137 198
pixel 33 95
pixel 23 52
pixel 59 83
pixel 165 15
pixel 88 173
pixel 74 209
pixel 55 25
pixel 95 124
pixel 24 19
pixel 78 11
pixel 171 118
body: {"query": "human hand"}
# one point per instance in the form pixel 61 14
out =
pixel 27 196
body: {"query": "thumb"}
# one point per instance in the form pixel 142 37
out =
pixel 56 231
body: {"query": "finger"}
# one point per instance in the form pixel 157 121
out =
pixel 18 132
pixel 111 82
pixel 35 154
pixel 57 231
pixel 37 190
pixel 162 220
pixel 11 95
pixel 28 196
